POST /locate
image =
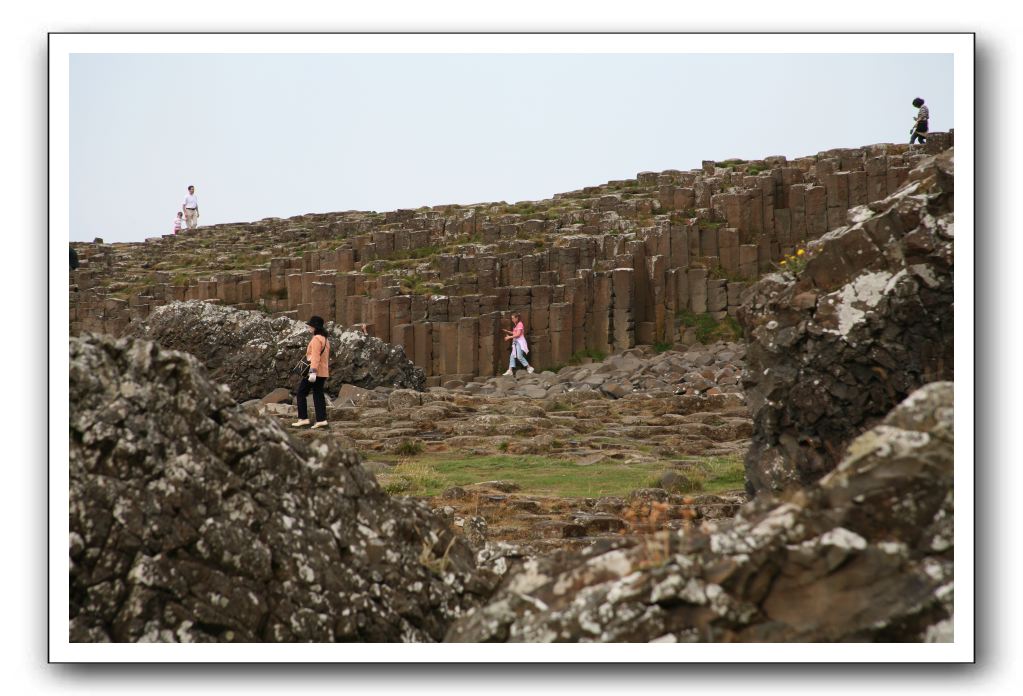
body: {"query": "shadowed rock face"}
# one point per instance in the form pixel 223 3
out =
pixel 253 353
pixel 869 320
pixel 192 520
pixel 865 555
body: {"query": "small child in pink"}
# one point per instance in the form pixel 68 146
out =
pixel 178 222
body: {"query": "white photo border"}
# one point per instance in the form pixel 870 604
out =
pixel 63 45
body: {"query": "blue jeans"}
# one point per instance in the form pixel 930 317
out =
pixel 516 354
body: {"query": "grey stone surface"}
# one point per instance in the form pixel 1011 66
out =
pixel 253 353
pixel 869 320
pixel 193 521
pixel 864 555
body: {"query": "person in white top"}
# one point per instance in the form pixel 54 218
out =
pixel 177 222
pixel 191 209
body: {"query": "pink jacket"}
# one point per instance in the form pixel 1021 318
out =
pixel 519 337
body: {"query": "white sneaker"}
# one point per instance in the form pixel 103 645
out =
pixel 319 424
pixel 530 369
pixel 507 374
pixel 300 423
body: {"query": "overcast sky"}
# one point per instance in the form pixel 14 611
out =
pixel 282 135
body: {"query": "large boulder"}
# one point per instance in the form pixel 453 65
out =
pixel 252 353
pixel 192 520
pixel 865 555
pixel 834 347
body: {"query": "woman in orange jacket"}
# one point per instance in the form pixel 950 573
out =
pixel 318 355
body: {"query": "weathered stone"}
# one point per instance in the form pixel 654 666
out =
pixel 868 321
pixel 253 353
pixel 865 555
pixel 193 521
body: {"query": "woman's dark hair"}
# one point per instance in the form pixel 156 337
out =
pixel 317 324
pixel 516 315
pixel 918 102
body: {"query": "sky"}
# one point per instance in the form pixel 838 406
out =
pixel 278 135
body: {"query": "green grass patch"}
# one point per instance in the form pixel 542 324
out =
pixel 430 474
pixel 720 273
pixel 579 355
pixel 411 477
pixel 415 285
pixel 409 448
pixel 709 329
pixel 661 347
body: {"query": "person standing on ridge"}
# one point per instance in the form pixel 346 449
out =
pixel 517 336
pixel 177 222
pixel 919 129
pixel 318 355
pixel 191 208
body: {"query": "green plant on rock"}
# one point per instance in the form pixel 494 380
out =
pixel 709 329
pixel 660 347
pixel 795 263
pixel 720 273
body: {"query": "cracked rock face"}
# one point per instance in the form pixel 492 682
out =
pixel 192 520
pixel 864 555
pixel 253 353
pixel 867 321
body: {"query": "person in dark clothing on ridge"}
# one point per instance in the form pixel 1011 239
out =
pixel 74 258
pixel 919 129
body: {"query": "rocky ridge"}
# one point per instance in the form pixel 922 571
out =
pixel 651 260
pixel 192 520
pixel 252 353
pixel 869 319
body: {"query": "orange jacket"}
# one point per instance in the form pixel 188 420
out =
pixel 318 361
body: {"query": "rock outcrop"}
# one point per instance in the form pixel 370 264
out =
pixel 253 353
pixel 192 520
pixel 869 319
pixel 865 555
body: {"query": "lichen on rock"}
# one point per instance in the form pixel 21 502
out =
pixel 253 353
pixel 194 521
pixel 869 320
pixel 864 555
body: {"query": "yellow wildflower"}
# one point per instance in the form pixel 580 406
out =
pixel 800 252
pixel 783 262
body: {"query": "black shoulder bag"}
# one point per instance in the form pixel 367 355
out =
pixel 302 370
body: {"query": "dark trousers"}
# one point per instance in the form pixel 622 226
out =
pixel 319 402
pixel 919 131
